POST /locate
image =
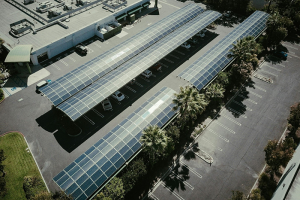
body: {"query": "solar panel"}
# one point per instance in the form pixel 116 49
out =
pixel 203 70
pixel 74 81
pixel 86 99
pixel 94 167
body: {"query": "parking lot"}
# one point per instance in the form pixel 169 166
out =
pixel 237 136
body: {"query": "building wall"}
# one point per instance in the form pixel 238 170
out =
pixel 77 37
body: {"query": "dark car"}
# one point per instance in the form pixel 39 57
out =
pixel 81 49
pixel 156 67
pixel 281 54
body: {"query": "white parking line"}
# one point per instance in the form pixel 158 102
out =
pixel 247 99
pixel 97 45
pixel 89 120
pixel 260 89
pixel 138 84
pixel 173 192
pixel 180 52
pixel 223 126
pixel 255 94
pixel 162 64
pixel 145 79
pixel 290 56
pixel 269 72
pixel 240 104
pixel 153 196
pixel 170 4
pixel 232 120
pixel 57 67
pixel 168 60
pixel 236 112
pixel 72 59
pixel 98 113
pixel 63 62
pixel 291 52
pixel 153 75
pixel 294 56
pixel 129 88
pixel 281 65
pixel 191 169
pixel 127 97
pixel 209 142
pixel 90 50
pixel 274 68
pixel 290 46
pixel 183 181
pixel 221 137
pixel 174 56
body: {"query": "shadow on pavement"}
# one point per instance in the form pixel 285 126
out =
pixel 175 180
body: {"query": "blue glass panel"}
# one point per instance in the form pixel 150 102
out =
pixel 70 167
pixel 107 135
pixel 96 175
pixel 80 158
pixel 82 197
pixel 119 163
pixel 110 171
pixel 86 184
pixel 66 184
pixel 77 193
pixel 77 174
pixel 124 150
pixel 111 153
pixel 115 158
pixel 82 179
pixel 58 176
pixel 89 150
pixel 73 170
pixel 136 147
pixel 72 188
pixel 91 190
pixel 97 157
pixel 105 167
pixel 102 161
pixel 88 165
pixel 128 154
pixel 92 170
pixel 93 153
pixel 131 142
pixel 62 180
pixel 101 180
pixel 98 143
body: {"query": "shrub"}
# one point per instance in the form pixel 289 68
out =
pixel 266 185
pixel 31 186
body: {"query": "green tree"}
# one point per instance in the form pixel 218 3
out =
pixel 114 189
pixel 3 189
pixel 101 196
pixel 189 102
pixel 237 195
pixel 245 50
pixel 294 122
pixel 241 72
pixel 266 185
pixel 44 195
pixel 223 78
pixel 273 155
pixel 288 148
pixel 256 195
pixel 215 91
pixel 132 174
pixel 174 133
pixel 154 141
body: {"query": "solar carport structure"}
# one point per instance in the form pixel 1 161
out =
pixel 95 167
pixel 74 81
pixel 203 70
pixel 89 97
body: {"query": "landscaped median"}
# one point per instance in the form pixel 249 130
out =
pixel 18 164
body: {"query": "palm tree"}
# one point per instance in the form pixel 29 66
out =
pixel 246 49
pixel 154 141
pixel 189 102
pixel 214 91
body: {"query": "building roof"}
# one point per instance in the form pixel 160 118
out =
pixel 20 53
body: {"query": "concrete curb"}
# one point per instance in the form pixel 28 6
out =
pixel 31 154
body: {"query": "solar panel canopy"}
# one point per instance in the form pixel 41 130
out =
pixel 91 96
pixel 74 81
pixel 94 167
pixel 203 70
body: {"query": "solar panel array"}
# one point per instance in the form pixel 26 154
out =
pixel 74 81
pixel 94 167
pixel 203 70
pixel 86 99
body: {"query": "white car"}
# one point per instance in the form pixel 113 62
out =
pixel 106 104
pixel 186 45
pixel 118 96
pixel 41 84
pixel 201 34
pixel 147 73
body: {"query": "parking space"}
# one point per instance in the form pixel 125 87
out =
pixel 235 139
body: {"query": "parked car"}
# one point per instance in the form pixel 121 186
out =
pixel 106 104
pixel 204 30
pixel 156 67
pixel 200 34
pixel 227 14
pixel 81 49
pixel 186 45
pixel 132 81
pixel 118 96
pixel 193 40
pixel 281 54
pixel 147 73
pixel 41 84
